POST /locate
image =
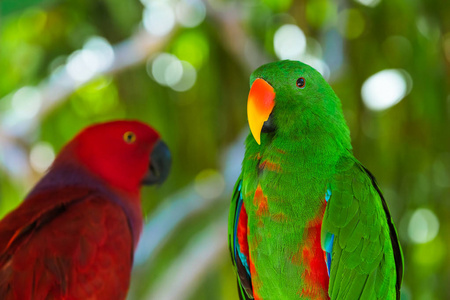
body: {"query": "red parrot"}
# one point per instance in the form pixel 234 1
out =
pixel 74 235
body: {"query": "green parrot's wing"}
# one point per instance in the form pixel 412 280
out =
pixel 237 241
pixel 363 253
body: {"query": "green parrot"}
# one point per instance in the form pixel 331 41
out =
pixel 307 220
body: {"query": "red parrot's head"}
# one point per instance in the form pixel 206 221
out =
pixel 125 154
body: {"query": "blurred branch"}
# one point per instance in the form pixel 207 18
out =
pixel 166 219
pixel 185 204
pixel 55 89
pixel 202 252
pixel 15 131
pixel 229 18
pixel 186 272
pixel 128 53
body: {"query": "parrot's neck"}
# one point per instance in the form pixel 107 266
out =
pixel 74 175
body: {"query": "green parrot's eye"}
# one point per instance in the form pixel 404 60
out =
pixel 301 82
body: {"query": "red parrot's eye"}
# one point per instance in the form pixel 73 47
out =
pixel 301 82
pixel 129 137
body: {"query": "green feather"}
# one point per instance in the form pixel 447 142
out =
pixel 284 182
pixel 364 242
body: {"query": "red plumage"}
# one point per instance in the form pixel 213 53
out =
pixel 241 232
pixel 74 235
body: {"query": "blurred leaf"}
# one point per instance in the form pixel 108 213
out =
pixel 13 6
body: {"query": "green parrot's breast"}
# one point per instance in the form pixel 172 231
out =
pixel 285 203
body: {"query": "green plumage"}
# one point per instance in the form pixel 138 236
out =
pixel 284 183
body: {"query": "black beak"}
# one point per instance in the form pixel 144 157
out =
pixel 269 125
pixel 160 163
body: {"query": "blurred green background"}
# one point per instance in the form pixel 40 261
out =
pixel 183 67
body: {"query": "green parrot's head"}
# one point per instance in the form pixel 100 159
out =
pixel 289 99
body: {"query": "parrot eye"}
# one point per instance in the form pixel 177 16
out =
pixel 129 137
pixel 301 82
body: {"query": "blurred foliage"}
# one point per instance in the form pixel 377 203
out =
pixel 406 146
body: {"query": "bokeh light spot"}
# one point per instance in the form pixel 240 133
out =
pixel 42 156
pixel 209 184
pixel 173 72
pixel 26 102
pixel 158 18
pixel 289 42
pixel 14 159
pixel 96 56
pixel 190 13
pixel 423 226
pixel 159 66
pixel 82 65
pixel 370 3
pixel 168 70
pixel 313 47
pixel 385 89
pixel 428 27
pixel 351 23
pixel 103 52
pixel 317 64
pixel 188 78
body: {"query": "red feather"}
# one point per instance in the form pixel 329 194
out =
pixel 241 232
pixel 315 274
pixel 76 249
pixel 74 235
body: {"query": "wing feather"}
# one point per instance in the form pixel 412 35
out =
pixel 239 258
pixel 79 248
pixel 365 251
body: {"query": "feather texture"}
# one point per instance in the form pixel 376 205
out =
pixel 363 250
pixel 239 244
pixel 73 236
pixel 71 250
pixel 317 224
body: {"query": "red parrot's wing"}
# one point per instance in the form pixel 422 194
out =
pixel 65 244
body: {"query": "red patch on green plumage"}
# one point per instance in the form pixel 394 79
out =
pixel 256 282
pixel 242 231
pixel 310 255
pixel 268 165
pixel 315 275
pixel 261 202
pixel 257 156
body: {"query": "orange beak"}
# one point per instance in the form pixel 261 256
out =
pixel 261 101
